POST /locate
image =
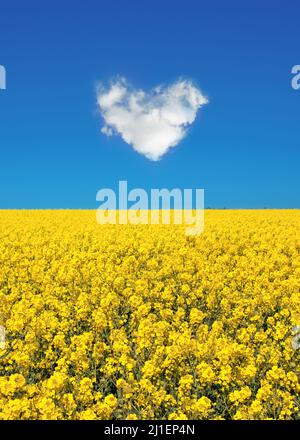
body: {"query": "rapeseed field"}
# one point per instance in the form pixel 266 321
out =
pixel 145 322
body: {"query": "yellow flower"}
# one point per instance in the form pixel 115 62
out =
pixel 239 396
pixel 201 407
pixel 132 417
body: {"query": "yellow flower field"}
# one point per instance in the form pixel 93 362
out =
pixel 144 322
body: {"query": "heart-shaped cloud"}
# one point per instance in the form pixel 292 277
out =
pixel 151 122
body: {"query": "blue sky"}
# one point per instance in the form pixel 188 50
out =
pixel 243 148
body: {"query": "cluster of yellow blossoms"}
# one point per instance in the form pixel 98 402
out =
pixel 144 322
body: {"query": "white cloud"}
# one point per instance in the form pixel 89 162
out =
pixel 151 122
